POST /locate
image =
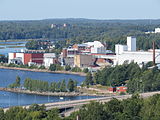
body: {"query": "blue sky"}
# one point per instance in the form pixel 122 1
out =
pixel 93 9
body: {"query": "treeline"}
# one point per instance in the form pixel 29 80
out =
pixel 44 86
pixel 131 75
pixel 134 108
pixel 78 31
pixel 34 112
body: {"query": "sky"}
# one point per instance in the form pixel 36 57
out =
pixel 91 9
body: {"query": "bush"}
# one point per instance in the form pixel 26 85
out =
pixel 85 70
pixel 76 69
pixel 67 68
pixel 42 67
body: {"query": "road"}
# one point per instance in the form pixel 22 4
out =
pixel 77 103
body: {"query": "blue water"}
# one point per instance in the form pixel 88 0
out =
pixel 8 99
pixel 8 76
pixel 6 50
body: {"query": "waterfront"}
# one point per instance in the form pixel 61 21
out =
pixel 8 76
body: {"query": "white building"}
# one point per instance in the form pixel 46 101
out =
pixel 131 43
pixel 48 59
pixel 119 49
pixel 124 55
pixel 157 30
pixel 96 47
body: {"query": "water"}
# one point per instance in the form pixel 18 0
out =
pixel 5 50
pixel 7 76
pixel 8 99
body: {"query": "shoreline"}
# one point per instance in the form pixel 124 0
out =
pixel 65 94
pixel 41 70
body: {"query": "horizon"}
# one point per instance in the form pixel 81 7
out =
pixel 79 19
pixel 97 9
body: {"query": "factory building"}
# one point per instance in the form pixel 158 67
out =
pixel 32 57
pixel 83 60
pixel 128 53
pixel 49 58
pixel 26 58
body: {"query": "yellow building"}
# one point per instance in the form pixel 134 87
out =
pixel 83 60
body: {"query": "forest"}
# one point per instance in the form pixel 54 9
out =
pixel 134 108
pixel 136 79
pixel 109 32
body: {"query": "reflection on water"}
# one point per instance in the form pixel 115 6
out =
pixel 11 99
pixel 8 99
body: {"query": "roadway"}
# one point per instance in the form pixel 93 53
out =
pixel 78 103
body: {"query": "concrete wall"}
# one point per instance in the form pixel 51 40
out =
pixel 137 57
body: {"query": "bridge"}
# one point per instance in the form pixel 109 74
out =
pixel 78 103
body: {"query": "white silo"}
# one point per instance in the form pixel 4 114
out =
pixel 131 43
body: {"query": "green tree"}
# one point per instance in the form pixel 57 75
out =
pixel 2 115
pixel 53 114
pixel 63 86
pixel 52 67
pixel 67 67
pixel 89 79
pixel 71 85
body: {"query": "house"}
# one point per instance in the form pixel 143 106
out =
pixel 121 89
pixel 112 89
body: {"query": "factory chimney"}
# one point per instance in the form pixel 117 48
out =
pixel 154 53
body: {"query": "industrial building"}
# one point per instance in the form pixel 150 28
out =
pixel 83 60
pixel 128 53
pixel 31 57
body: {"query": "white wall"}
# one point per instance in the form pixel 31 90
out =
pixel 20 55
pixel 48 62
pixel 119 49
pixel 157 30
pixel 131 43
pixel 137 57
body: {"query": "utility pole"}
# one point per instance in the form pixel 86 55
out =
pixel 154 53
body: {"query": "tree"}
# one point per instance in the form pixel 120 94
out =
pixel 52 67
pixel 89 79
pixel 63 86
pixel 85 70
pixel 71 85
pixel 67 67
pixel 53 114
pixel 18 81
pixel 2 115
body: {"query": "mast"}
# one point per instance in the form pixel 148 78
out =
pixel 154 53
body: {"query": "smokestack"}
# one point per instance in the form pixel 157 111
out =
pixel 154 53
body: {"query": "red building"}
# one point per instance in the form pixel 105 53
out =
pixel 27 57
pixel 121 89
pixel 112 89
